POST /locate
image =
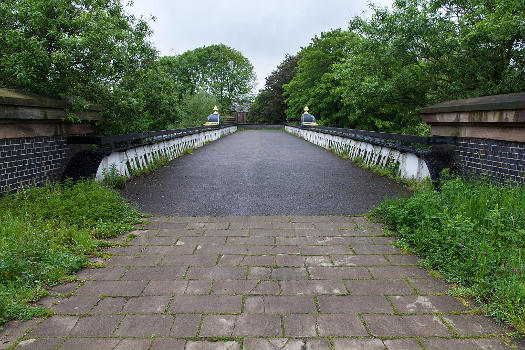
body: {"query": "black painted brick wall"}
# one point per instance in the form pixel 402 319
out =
pixel 27 161
pixel 498 160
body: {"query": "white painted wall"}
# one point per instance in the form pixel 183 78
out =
pixel 409 165
pixel 139 157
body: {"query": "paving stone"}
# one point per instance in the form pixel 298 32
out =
pixel 231 260
pixel 64 288
pixel 397 272
pixel 426 286
pixel 146 305
pixel 256 260
pixel 467 325
pixel 205 304
pixel 14 329
pixel 250 240
pixel 406 326
pixel 168 344
pixel 358 344
pixel 165 288
pixel 235 232
pixel 340 325
pixel 465 344
pixel 218 326
pixel 185 325
pixel 318 344
pixel 353 303
pixel 186 260
pixel 145 326
pixel 75 305
pixel 109 305
pixel 198 287
pixel 289 273
pixel 257 325
pixel 217 272
pixel 266 287
pixel 160 273
pixel 290 260
pixel 107 274
pixel 333 273
pixel 324 250
pixel 135 344
pixel 319 260
pixel 279 304
pixel 124 260
pixel 38 344
pixel 218 345
pixel 95 326
pixel 89 344
pixel 125 250
pixel 55 326
pixel 259 273
pixel 359 260
pixel 313 287
pixel 403 259
pixel 168 250
pixel 299 325
pixel 376 249
pixel 402 344
pixel 379 287
pixel 422 304
pixel 233 286
pixel 273 344
pixel 113 288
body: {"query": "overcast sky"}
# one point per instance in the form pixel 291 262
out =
pixel 262 30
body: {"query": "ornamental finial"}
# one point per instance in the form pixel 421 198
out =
pixel 215 110
pixel 305 109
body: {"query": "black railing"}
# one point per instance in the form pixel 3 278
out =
pixel 127 141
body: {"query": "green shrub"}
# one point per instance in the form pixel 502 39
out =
pixel 474 234
pixel 113 179
pixel 47 233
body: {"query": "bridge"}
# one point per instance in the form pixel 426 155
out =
pixel 257 241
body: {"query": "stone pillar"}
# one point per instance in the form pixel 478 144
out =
pixel 33 132
pixel 490 132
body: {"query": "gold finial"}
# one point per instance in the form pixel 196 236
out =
pixel 215 110
pixel 305 110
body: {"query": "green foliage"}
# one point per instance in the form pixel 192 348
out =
pixel 473 233
pixel 269 106
pixel 314 83
pixel 153 164
pixel 46 233
pixel 218 70
pixel 113 179
pixel 383 69
pixel 196 108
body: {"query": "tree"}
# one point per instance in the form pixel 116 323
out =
pixel 217 70
pixel 76 49
pixel 269 106
pixel 428 51
pixel 196 108
pixel 314 83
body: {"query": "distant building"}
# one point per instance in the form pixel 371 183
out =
pixel 240 112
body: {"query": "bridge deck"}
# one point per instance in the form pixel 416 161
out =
pixel 261 172
pixel 259 283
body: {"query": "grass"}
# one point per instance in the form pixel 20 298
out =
pixel 48 233
pixel 473 234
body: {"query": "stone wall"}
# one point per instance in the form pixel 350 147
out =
pixel 408 165
pixel 495 159
pixel 32 160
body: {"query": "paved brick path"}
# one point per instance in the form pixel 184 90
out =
pixel 257 283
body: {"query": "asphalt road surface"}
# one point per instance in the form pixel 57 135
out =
pixel 263 172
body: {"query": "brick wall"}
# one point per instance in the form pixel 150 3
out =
pixel 499 160
pixel 27 161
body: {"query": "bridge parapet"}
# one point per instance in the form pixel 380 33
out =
pixel 411 157
pixel 129 153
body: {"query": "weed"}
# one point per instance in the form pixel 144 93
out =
pixel 113 179
pixel 47 233
pixel 473 233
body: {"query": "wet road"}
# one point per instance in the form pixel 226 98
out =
pixel 262 172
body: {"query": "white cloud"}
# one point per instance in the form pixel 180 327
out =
pixel 263 30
